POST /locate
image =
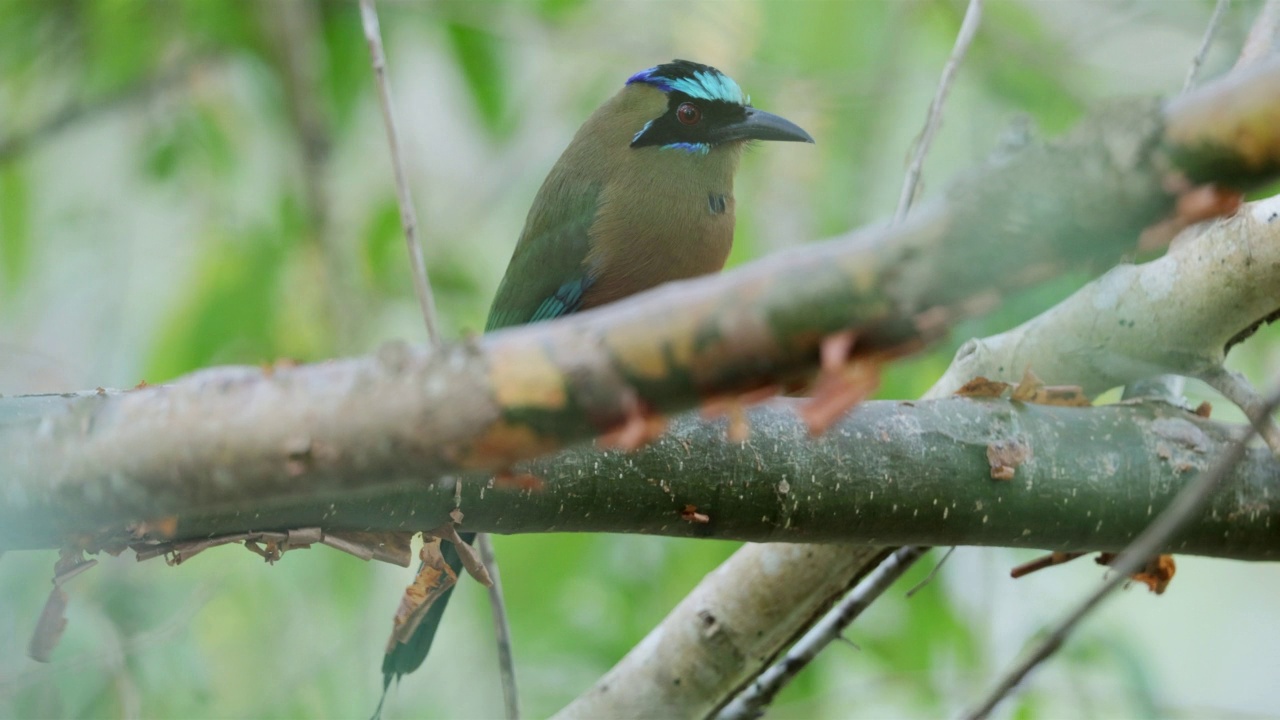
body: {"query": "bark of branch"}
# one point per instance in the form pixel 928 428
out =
pixel 247 435
pixel 889 473
pixel 1177 314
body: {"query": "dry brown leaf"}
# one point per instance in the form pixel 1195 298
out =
pixel 1062 396
pixel 470 558
pixel 1031 389
pixel 271 553
pixel 433 579
pixel 49 628
pixel 1156 574
pixel 53 621
pixel 981 387
pixel 1027 387
pixel 388 547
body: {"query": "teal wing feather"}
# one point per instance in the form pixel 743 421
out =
pixel 546 279
pixel 547 276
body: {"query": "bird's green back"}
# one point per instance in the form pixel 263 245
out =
pixel 546 277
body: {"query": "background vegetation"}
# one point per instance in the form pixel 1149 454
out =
pixel 194 182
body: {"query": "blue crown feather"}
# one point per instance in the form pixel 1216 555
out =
pixel 693 79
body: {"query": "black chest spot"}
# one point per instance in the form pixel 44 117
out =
pixel 717 204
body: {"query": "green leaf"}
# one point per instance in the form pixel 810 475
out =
pixel 15 236
pixel 384 253
pixel 1019 62
pixel 476 52
pixel 559 10
pixel 230 314
pixel 220 23
pixel 196 138
pixel 123 39
pixel 347 72
pixel 929 633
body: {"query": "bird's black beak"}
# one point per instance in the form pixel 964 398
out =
pixel 760 125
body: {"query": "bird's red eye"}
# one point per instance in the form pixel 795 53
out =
pixel 688 113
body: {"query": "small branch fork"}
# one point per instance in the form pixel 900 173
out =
pixel 1157 536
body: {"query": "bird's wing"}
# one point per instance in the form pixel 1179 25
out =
pixel 547 278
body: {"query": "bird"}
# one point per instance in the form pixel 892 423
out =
pixel 642 195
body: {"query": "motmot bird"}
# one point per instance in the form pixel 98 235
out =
pixel 643 195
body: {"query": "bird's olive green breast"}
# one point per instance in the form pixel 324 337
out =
pixel 665 214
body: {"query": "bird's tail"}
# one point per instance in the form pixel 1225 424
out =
pixel 406 657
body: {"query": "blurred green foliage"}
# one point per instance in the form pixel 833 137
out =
pixel 194 182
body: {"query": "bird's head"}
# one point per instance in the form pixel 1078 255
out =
pixel 701 109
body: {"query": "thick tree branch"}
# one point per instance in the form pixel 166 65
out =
pixel 1177 314
pixel 246 436
pixel 889 473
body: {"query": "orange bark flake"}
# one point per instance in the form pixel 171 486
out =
pixel 640 427
pixel 507 480
pixel 1004 457
pixel 841 384
pixel 1195 204
pixel 165 527
pixel 504 444
pixel 734 407
pixel 691 514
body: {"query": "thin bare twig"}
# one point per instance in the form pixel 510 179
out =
pixel 968 28
pixel 1234 387
pixel 751 702
pixel 408 218
pixel 1153 539
pixel 501 627
pixel 1214 21
pixel 932 573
